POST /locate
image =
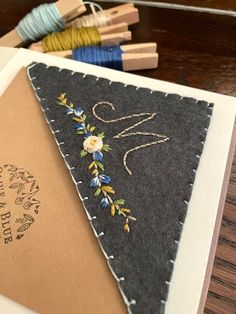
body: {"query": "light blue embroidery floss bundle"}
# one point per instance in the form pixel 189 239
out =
pixel 109 57
pixel 39 22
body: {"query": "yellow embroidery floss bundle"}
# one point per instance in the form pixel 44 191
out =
pixel 71 38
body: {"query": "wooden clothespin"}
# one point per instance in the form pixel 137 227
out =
pixel 117 28
pixel 122 13
pixel 114 34
pixel 65 7
pixel 139 61
pixel 139 48
pixel 110 35
pixel 134 56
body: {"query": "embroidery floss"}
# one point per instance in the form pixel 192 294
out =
pixel 126 133
pixel 71 38
pixel 93 145
pixel 42 20
pixel 109 57
pixel 97 18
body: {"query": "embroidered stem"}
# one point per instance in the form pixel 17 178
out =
pixel 93 145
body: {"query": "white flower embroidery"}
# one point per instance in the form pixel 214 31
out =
pixel 93 144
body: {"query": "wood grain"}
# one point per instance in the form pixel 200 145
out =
pixel 197 50
pixel 215 4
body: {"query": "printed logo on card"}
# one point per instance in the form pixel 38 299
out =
pixel 19 202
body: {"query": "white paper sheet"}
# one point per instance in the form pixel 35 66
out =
pixel 194 247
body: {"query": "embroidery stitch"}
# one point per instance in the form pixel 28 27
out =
pixel 124 133
pixel 111 267
pixel 93 144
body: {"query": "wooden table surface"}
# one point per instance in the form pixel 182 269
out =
pixel 199 50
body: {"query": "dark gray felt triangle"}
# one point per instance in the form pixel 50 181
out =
pixel 161 184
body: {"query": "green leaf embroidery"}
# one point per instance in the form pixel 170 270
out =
pixel 100 165
pixel 119 202
pixel 92 164
pixel 106 148
pixel 98 192
pixel 101 135
pixel 79 132
pixel 83 153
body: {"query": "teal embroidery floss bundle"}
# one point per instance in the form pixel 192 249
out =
pixel 43 20
pixel 109 57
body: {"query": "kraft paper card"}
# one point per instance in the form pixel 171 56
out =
pixel 50 260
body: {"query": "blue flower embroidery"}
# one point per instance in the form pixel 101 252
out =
pixel 87 134
pixel 69 111
pixel 78 111
pixel 95 182
pixel 98 156
pixel 105 179
pixel 98 180
pixel 78 126
pixel 104 202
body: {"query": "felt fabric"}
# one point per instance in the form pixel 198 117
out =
pixel 159 189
